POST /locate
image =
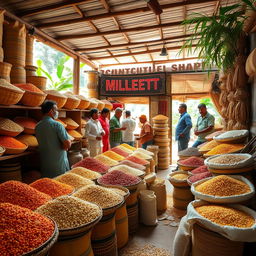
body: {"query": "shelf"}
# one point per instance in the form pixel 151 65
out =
pixel 39 108
pixel 7 157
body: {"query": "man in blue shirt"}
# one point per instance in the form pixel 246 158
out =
pixel 182 134
pixel 53 142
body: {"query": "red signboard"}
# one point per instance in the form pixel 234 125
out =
pixel 133 85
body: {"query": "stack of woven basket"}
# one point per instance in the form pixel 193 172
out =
pixel 161 139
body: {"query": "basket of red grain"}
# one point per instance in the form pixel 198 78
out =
pixel 29 124
pixel 11 145
pixel 190 163
pixel 33 233
pixel 33 96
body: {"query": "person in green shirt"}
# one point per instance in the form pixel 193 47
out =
pixel 53 142
pixel 115 137
pixel 204 125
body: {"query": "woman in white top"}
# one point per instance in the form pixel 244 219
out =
pixel 94 133
pixel 130 125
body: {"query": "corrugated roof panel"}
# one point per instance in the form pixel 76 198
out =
pixel 126 59
pixel 107 61
pixel 116 39
pixel 105 24
pixel 123 5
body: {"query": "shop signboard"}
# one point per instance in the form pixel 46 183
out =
pixel 133 85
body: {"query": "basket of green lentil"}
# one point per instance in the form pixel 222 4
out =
pixel 223 189
pixel 229 161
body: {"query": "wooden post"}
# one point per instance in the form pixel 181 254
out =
pixel 76 75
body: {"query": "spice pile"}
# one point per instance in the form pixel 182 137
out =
pixel 200 169
pixel 133 165
pixel 129 151
pixel 26 122
pixel 137 160
pixel 223 185
pixel 22 230
pixel 29 87
pixel 120 152
pixel 224 215
pixel 228 159
pixel 180 176
pixel 127 169
pixel 141 155
pixel 52 187
pixel 86 173
pixel 232 134
pixel 101 196
pixel 18 193
pixel 9 128
pixel 113 155
pixel 192 161
pixel 10 142
pixel 189 152
pixel 29 140
pixel 74 180
pixel 106 160
pixel 92 164
pixel 209 146
pixel 214 134
pixel 199 176
pixel 71 124
pixel 70 212
pixel 7 85
pixel 225 148
pixel 119 178
pixel 128 146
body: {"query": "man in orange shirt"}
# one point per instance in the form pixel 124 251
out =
pixel 146 134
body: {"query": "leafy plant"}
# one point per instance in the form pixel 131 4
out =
pixel 216 38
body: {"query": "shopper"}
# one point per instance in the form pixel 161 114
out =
pixel 53 142
pixel 104 121
pixel 94 133
pixel 146 134
pixel 204 125
pixel 115 137
pixel 130 125
pixel 182 133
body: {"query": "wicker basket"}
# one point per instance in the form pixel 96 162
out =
pixel 84 103
pixel 14 151
pixel 9 96
pixel 71 103
pixel 93 104
pixel 2 150
pixel 60 100
pixel 38 81
pixel 10 133
pixel 32 99
pixel 31 70
pixel 5 69
pixel 26 129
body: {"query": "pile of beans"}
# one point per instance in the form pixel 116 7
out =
pixel 199 176
pixel 128 146
pixel 93 165
pixel 223 185
pixel 133 165
pixel 129 151
pixel 190 152
pixel 119 178
pixel 51 187
pixel 18 193
pixel 22 230
pixel 70 212
pixel 224 215
pixel 137 160
pixel 113 155
pixel 86 173
pixel 127 169
pixel 101 196
pixel 74 180
pixel 118 191
pixel 192 161
pixel 141 155
pixel 120 151
pixel 228 159
pixel 200 169
pixel 106 160
pixel 9 125
pixel 225 149
pixel 180 176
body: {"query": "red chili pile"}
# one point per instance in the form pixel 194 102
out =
pixel 199 176
pixel 51 187
pixel 118 178
pixel 119 151
pixel 29 87
pixel 133 165
pixel 200 169
pixel 26 122
pixel 192 161
pixel 18 193
pixel 22 230
pixel 92 164
pixel 137 160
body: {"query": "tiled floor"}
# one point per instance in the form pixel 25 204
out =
pixel 161 235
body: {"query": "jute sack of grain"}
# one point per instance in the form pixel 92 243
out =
pixel 15 43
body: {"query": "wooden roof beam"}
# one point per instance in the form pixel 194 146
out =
pixel 137 53
pixel 154 6
pixel 150 62
pixel 116 14
pixel 64 4
pixel 112 32
pixel 131 44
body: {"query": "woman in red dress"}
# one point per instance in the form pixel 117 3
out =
pixel 104 120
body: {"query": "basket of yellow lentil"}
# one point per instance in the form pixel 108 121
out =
pixel 223 189
pixel 179 178
pixel 225 148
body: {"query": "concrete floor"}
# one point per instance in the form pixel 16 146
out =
pixel 161 235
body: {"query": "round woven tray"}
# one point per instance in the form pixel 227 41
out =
pixel 9 96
